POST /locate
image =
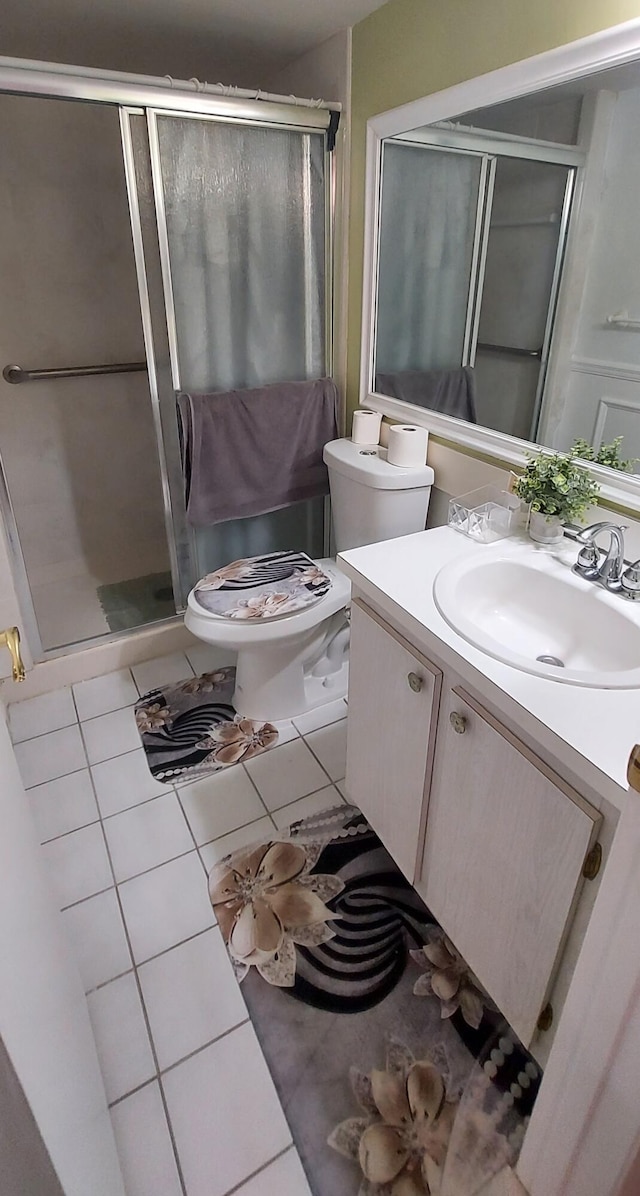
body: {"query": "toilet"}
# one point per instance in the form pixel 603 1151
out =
pixel 291 663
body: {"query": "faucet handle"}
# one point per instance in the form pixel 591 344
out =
pixel 608 572
pixel 630 581
pixel 588 557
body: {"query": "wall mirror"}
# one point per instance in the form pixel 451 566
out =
pixel 502 294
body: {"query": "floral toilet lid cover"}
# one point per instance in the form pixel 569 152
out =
pixel 263 587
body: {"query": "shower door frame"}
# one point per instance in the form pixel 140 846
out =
pixel 483 201
pixel 182 534
pixel 490 147
pixel 130 95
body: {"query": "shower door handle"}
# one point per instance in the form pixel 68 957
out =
pixel 11 639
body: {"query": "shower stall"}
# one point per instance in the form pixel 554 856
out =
pixel 152 240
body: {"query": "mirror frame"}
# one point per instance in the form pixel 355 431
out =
pixel 602 51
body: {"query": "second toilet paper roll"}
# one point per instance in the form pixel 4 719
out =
pixel 366 427
pixel 407 445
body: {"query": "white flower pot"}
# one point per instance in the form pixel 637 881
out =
pixel 545 529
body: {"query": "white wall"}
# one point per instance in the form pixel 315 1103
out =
pixel 323 73
pixel 44 1020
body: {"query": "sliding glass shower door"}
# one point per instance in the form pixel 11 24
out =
pixel 431 207
pixel 242 211
pixel 80 481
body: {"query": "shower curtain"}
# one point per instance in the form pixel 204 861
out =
pixel 245 222
pixel 427 226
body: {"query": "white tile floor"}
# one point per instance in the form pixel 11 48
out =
pixel 128 857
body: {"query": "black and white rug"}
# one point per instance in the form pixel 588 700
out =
pixel 396 1072
pixel 192 729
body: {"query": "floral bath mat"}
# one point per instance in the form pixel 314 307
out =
pixel 397 1074
pixel 192 728
pixel 263 587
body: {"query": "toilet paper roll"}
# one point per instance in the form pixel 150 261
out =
pixel 365 428
pixel 384 434
pixel 407 445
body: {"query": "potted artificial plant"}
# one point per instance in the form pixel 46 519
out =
pixel 558 490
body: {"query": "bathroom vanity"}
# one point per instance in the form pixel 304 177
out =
pixel 496 790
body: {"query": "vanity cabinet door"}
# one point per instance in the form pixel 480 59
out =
pixel 393 704
pixel 506 840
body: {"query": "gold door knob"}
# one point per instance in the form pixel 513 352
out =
pixel 11 639
pixel 458 722
pixel 415 682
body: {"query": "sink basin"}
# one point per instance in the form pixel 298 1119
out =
pixel 523 609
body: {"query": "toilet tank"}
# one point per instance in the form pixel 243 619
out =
pixel 372 500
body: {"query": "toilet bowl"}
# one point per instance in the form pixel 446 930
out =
pixel 290 663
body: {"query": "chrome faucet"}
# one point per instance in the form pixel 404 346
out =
pixel 607 572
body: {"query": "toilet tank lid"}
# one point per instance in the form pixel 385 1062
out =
pixel 368 465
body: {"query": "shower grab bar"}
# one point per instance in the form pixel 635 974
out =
pixel 16 374
pixel 622 319
pixel 515 352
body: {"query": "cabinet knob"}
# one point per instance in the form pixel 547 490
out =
pixel 458 722
pixel 415 682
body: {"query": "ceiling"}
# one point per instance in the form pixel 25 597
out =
pixel 230 41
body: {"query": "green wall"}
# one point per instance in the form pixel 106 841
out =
pixel 411 48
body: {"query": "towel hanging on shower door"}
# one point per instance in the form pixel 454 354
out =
pixel 248 452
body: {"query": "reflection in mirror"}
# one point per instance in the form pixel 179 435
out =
pixel 508 279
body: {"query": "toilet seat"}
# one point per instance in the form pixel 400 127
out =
pixel 228 631
pixel 262 588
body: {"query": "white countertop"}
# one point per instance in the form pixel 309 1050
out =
pixel 601 725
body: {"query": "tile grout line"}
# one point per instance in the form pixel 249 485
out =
pixel 154 867
pixel 144 1010
pixel 103 983
pixel 65 834
pixel 246 1021
pixel 295 799
pixel 125 880
pixel 331 785
pixel 163 1071
pixel 190 829
pixel 74 904
pixel 113 1104
pixel 99 677
pixel 85 768
pixel 315 756
pixel 259 1170
pixel 181 943
pixel 255 786
pixel 78 720
pixel 41 734
pixel 242 827
pixel 155 688
pixel 145 801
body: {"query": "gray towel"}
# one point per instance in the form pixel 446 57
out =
pixel 451 392
pixel 247 452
